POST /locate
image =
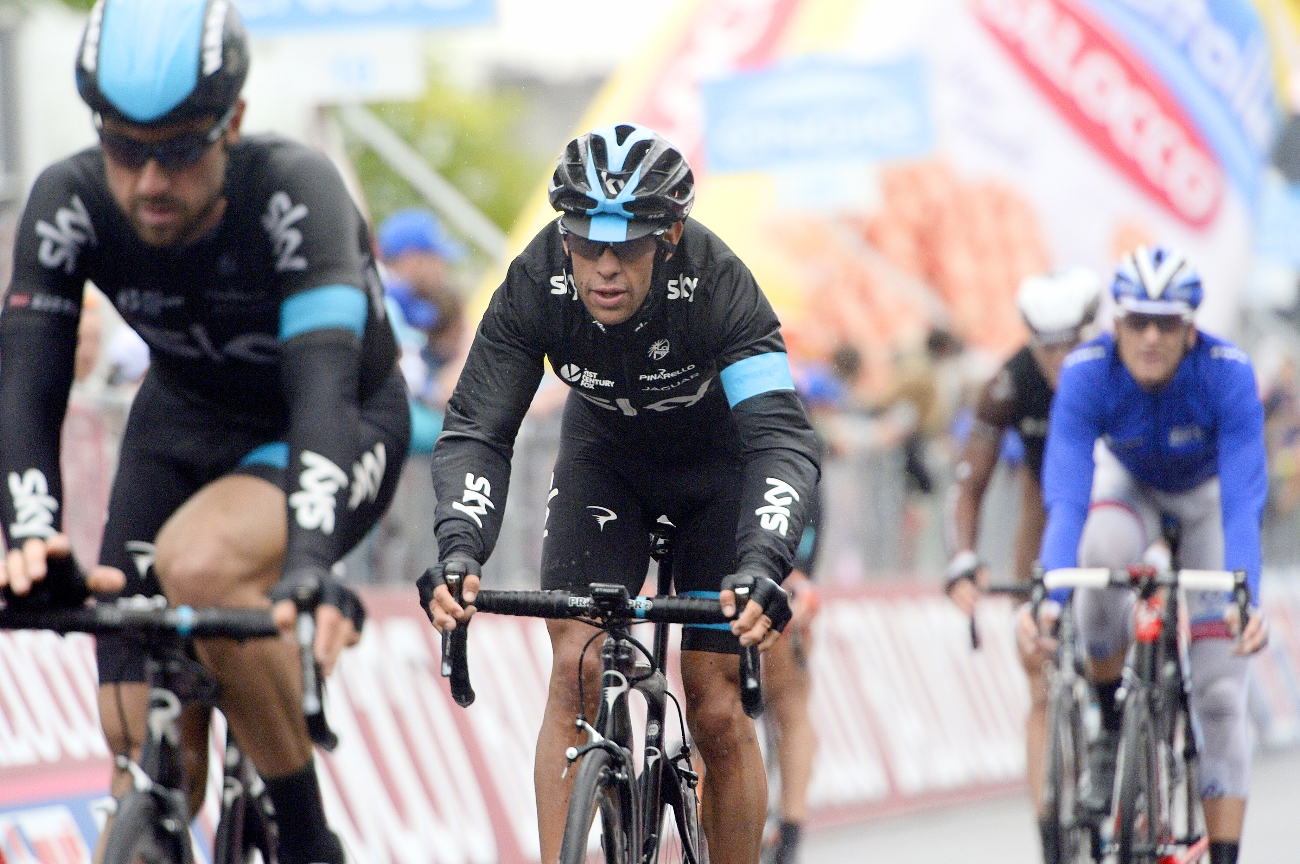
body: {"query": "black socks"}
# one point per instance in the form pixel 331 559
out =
pixel 787 844
pixel 305 837
pixel 1112 714
pixel 1223 852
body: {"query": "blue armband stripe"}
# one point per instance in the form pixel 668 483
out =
pixel 708 595
pixel 325 308
pixel 274 454
pixel 752 376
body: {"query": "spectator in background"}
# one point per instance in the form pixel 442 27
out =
pixel 417 254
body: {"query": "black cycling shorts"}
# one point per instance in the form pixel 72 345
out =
pixel 602 506
pixel 174 445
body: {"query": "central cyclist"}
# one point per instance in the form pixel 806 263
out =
pixel 682 405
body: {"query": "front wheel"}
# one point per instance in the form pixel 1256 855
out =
pixel 1140 824
pixel 601 787
pixel 137 835
pixel 1067 839
pixel 679 821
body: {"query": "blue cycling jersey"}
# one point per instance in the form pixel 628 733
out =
pixel 1207 421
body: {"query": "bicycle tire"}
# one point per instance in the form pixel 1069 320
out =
pixel 1067 839
pixel 137 838
pixel 1139 826
pixel 598 789
pixel 244 829
pixel 679 832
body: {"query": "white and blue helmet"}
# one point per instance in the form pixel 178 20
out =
pixel 1157 281
pixel 158 62
pixel 621 182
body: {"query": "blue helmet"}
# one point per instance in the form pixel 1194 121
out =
pixel 159 62
pixel 416 230
pixel 621 182
pixel 1157 281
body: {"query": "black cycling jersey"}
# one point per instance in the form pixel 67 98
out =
pixel 697 374
pixel 1020 397
pixel 274 318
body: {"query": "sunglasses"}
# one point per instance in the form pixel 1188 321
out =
pixel 175 153
pixel 1166 324
pixel 629 250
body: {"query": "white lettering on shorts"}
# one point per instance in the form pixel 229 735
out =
pixel 775 516
pixel 319 482
pixel 475 501
pixel 367 475
pixel 34 506
pixel 602 515
pixel 63 242
pixel 281 215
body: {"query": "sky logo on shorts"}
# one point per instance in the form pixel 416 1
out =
pixel 313 503
pixel 775 516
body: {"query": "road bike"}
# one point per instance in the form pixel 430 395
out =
pixel 151 821
pixel 636 825
pixel 1157 816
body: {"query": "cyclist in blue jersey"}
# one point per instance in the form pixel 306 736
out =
pixel 1162 420
pixel 266 438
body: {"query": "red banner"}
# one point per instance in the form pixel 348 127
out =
pixel 1107 92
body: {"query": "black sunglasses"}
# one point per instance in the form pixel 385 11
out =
pixel 180 151
pixel 628 250
pixel 1166 324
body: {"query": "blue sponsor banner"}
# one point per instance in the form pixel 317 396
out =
pixel 288 16
pixel 1214 56
pixel 814 110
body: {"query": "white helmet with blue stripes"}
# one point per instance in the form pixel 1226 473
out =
pixel 159 62
pixel 1157 281
pixel 621 182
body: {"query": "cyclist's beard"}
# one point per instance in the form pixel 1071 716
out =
pixel 190 220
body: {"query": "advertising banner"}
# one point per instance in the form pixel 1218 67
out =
pixel 907 716
pixel 286 16
pixel 885 168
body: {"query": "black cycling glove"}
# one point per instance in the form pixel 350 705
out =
pixel 458 562
pixel 764 592
pixel 311 586
pixel 64 587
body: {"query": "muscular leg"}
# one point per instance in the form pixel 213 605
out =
pixel 558 732
pixel 224 547
pixel 733 763
pixel 786 685
pixel 1219 702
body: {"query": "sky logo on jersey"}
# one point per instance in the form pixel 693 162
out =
pixel 1108 93
pixel 281 215
pixel 34 506
pixel 660 349
pixel 474 502
pixel 563 284
pixel 63 242
pixel 319 482
pixel 368 475
pixel 775 515
pixel 683 288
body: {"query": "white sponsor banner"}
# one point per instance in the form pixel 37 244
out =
pixel 907 714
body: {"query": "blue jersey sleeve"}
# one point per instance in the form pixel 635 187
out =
pixel 1073 430
pixel 1243 475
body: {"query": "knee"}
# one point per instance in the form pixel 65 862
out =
pixel 190 572
pixel 1221 697
pixel 1113 536
pixel 567 642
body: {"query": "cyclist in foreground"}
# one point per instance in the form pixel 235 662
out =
pixel 267 436
pixel 682 405
pixel 1177 428
pixel 1057 307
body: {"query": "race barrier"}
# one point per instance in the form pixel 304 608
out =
pixel 909 716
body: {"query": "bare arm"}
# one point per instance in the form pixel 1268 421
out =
pixel 973 474
pixel 1029 534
